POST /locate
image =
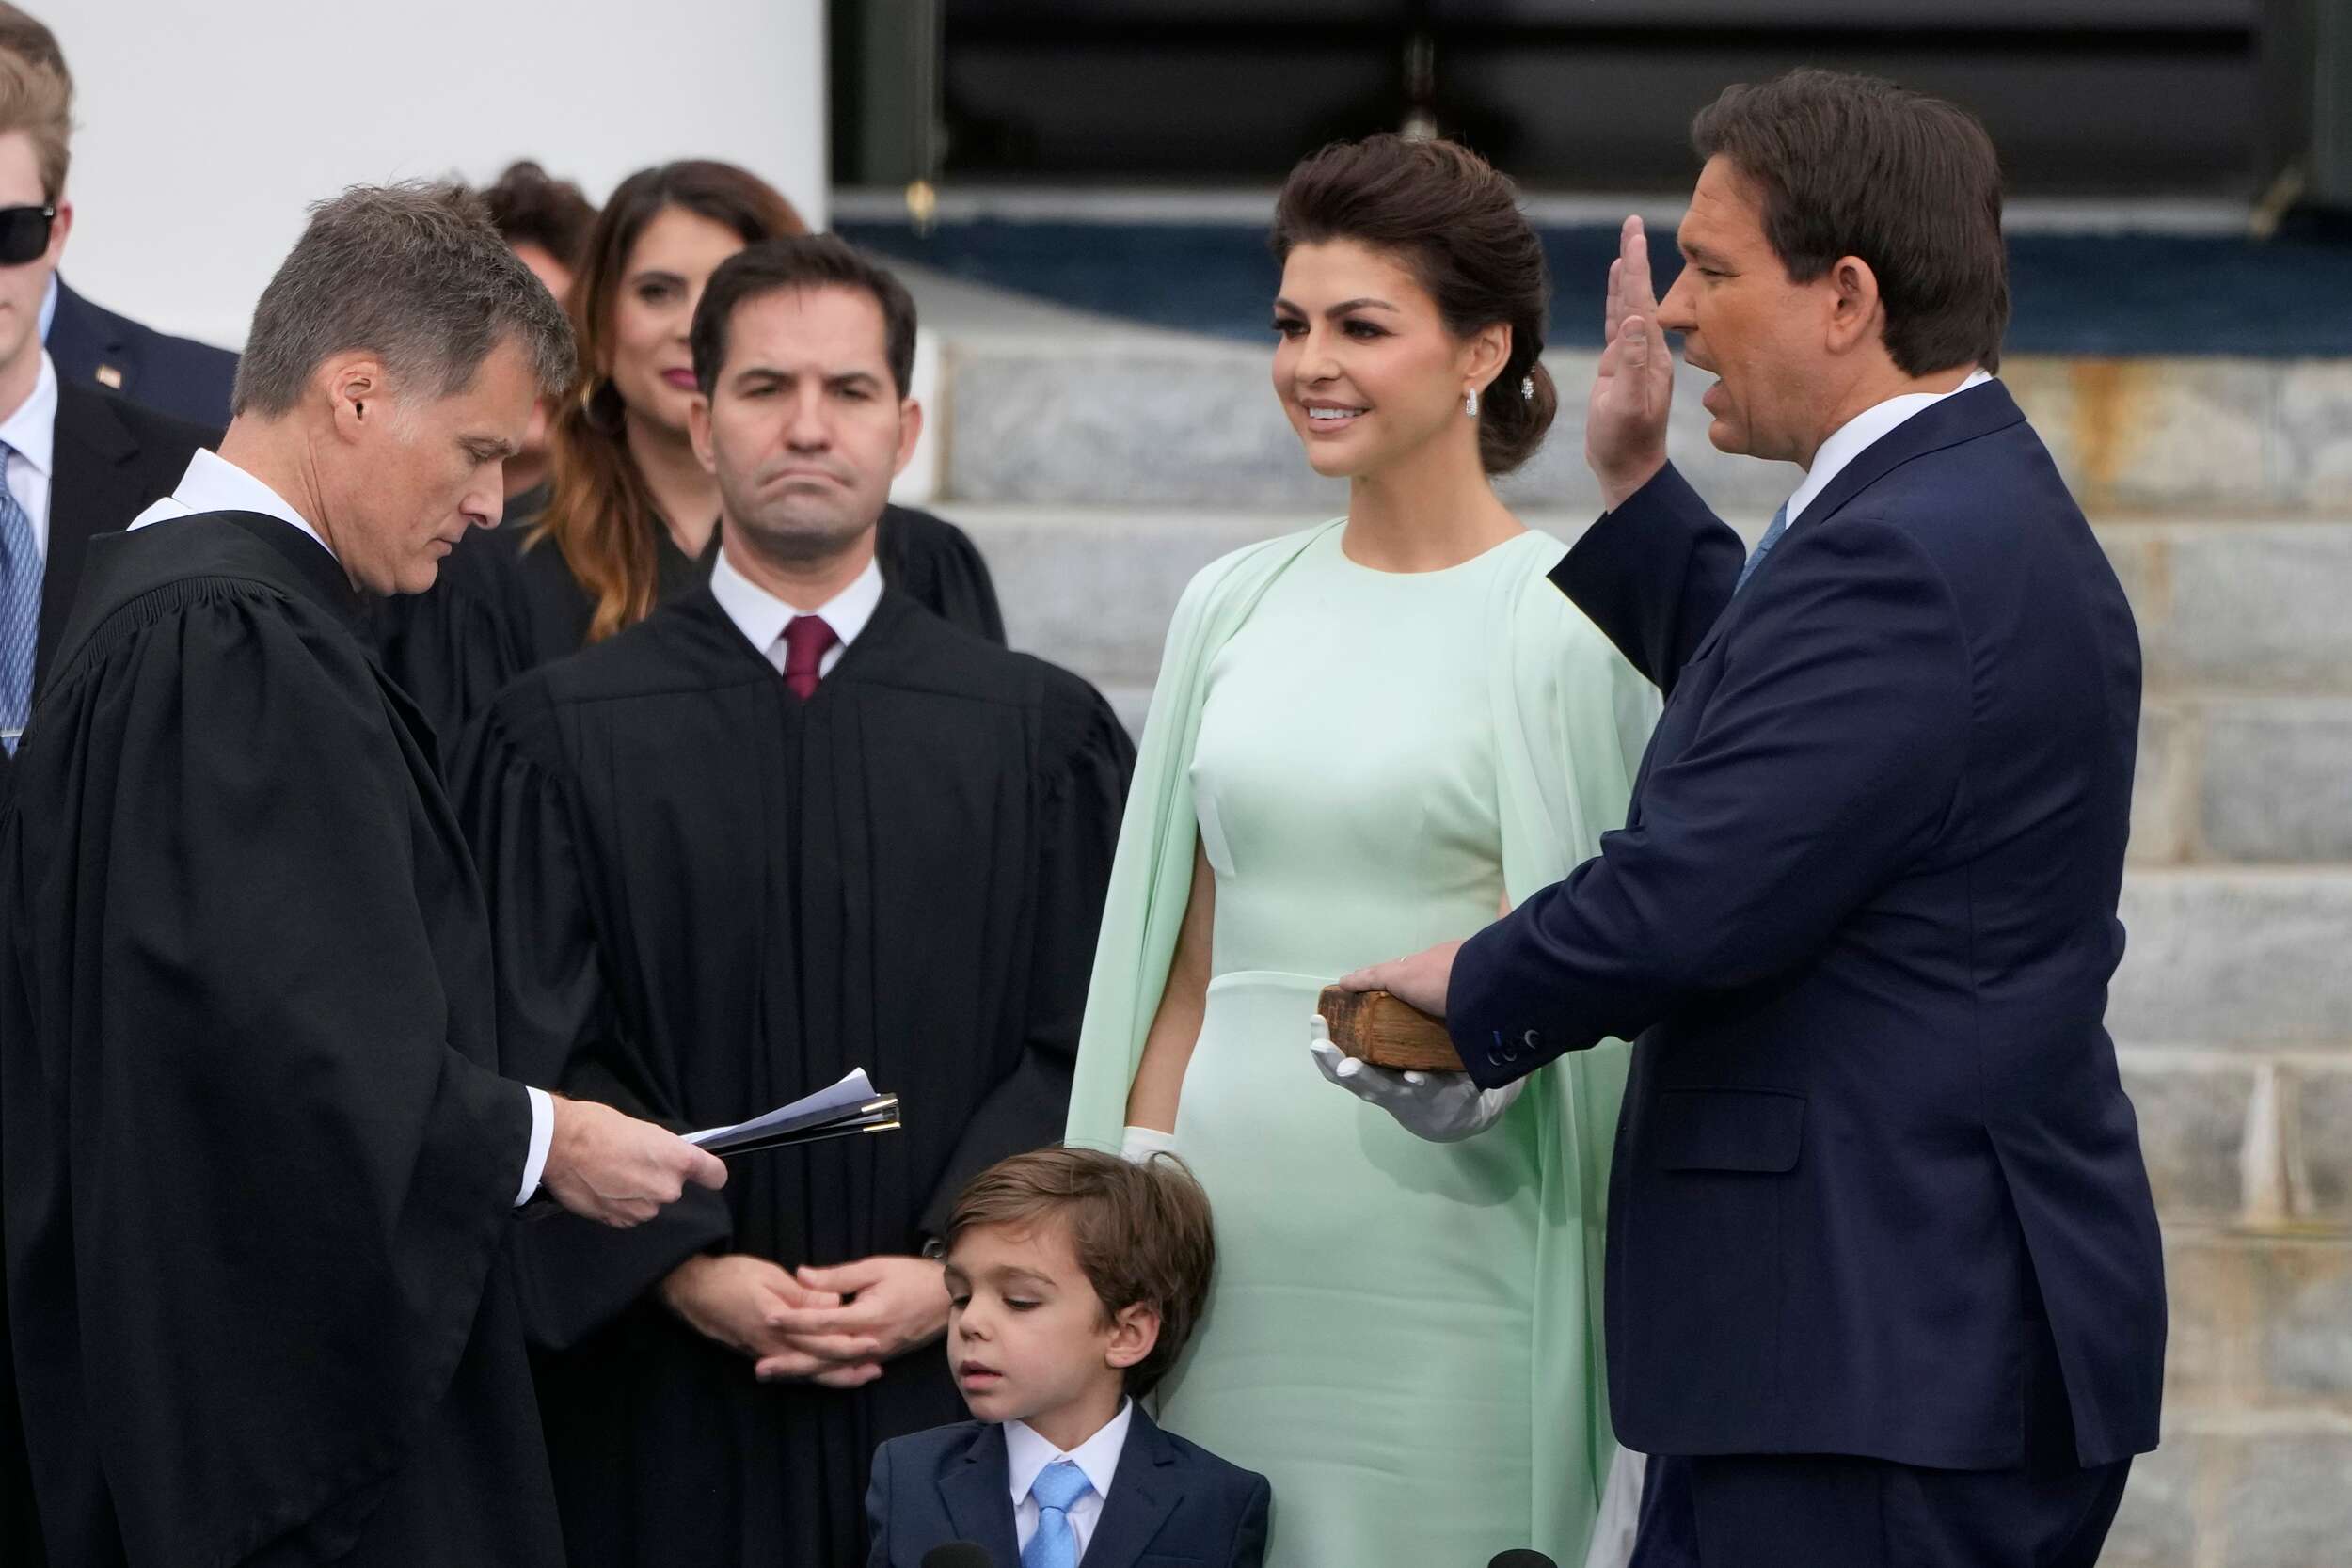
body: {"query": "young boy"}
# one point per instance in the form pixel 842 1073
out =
pixel 1073 1279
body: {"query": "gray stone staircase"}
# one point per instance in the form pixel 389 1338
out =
pixel 1099 467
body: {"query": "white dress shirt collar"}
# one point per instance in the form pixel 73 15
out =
pixel 761 617
pixel 1864 431
pixel 31 431
pixel 213 484
pixel 1027 1454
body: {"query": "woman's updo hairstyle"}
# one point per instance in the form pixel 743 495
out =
pixel 1444 211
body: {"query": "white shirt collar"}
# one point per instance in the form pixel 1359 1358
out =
pixel 761 617
pixel 1026 1453
pixel 1864 431
pixel 31 431
pixel 213 484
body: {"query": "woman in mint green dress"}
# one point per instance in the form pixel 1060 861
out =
pixel 1367 739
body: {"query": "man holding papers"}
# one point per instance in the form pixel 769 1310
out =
pixel 260 1172
pixel 789 826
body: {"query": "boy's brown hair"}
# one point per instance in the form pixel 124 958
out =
pixel 1143 1233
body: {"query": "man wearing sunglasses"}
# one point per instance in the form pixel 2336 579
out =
pixel 73 461
pixel 90 345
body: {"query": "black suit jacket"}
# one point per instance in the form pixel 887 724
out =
pixel 111 459
pixel 1171 1504
pixel 94 349
pixel 1861 918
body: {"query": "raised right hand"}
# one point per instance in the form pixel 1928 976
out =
pixel 613 1168
pixel 1624 427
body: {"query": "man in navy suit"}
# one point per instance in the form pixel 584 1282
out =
pixel 93 347
pixel 1885 1285
pixel 180 377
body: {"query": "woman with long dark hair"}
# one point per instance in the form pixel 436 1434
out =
pixel 1369 736
pixel 633 514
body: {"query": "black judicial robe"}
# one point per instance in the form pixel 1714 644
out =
pixel 257 1167
pixel 505 605
pixel 712 899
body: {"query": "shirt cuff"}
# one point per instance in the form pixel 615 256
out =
pixel 541 1136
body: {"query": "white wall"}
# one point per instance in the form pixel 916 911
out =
pixel 203 131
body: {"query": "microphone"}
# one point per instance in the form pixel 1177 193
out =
pixel 1519 1557
pixel 966 1554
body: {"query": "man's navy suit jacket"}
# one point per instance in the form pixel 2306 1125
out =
pixel 1860 923
pixel 1171 1503
pixel 93 347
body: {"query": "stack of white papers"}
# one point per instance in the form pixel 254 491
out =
pixel 849 1106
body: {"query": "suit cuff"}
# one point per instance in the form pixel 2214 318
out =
pixel 542 1139
pixel 1667 492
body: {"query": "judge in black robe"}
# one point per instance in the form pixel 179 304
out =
pixel 257 1167
pixel 253 1230
pixel 506 602
pixel 714 893
pixel 712 899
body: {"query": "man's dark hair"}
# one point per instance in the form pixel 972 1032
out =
pixel 530 206
pixel 412 273
pixel 801 262
pixel 1854 166
pixel 1143 1233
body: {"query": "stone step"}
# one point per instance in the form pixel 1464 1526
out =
pixel 2243 960
pixel 2255 1471
pixel 2239 606
pixel 2246 738
pixel 2250 780
pixel 2233 1140
pixel 1122 417
pixel 2228 606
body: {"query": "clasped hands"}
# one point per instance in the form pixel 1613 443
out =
pixel 1442 1107
pixel 835 1327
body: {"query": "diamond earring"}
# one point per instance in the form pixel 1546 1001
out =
pixel 1527 388
pixel 1470 402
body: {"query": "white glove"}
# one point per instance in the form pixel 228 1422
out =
pixel 1137 1144
pixel 1442 1107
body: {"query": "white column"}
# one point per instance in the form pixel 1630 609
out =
pixel 204 132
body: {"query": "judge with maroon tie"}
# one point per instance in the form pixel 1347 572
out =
pixel 790 824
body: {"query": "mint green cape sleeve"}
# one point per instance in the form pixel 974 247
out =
pixel 1151 874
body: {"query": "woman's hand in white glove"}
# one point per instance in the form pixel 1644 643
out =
pixel 1442 1107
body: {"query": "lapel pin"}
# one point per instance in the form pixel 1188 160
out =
pixel 110 379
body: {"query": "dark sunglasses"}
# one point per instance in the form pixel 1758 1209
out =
pixel 25 234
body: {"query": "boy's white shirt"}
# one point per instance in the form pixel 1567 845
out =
pixel 1027 1454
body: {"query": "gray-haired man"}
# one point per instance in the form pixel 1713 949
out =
pixel 257 1165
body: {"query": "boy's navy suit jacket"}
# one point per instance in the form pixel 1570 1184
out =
pixel 1171 1504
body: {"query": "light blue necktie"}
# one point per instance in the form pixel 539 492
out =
pixel 1764 546
pixel 1055 1545
pixel 20 607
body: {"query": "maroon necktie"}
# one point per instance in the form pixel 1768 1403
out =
pixel 805 640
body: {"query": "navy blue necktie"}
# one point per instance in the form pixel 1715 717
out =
pixel 1764 546
pixel 20 607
